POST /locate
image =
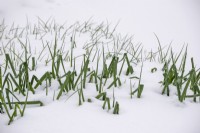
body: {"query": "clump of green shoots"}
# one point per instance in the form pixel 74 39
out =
pixel 112 71
pixel 182 82
pixel 80 94
pixel 106 101
pixel 130 68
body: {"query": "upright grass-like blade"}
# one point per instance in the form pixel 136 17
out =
pixel 194 81
pixel 116 108
pixel 33 63
pixel 8 98
pixel 42 51
pixel 159 48
pixel 141 73
pixel 130 68
pixel 112 70
pixel 60 61
pixel 9 62
pixel 85 69
pixel 183 67
pixel 72 46
pixel 53 55
pixel 185 90
pixel 140 89
pixel 0 79
pixel 115 70
pixel 121 67
pixel 176 59
pixel 131 89
pixel 107 100
pixel 80 93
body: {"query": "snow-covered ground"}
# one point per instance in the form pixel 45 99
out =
pixel 172 20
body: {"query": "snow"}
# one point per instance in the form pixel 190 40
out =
pixel 171 20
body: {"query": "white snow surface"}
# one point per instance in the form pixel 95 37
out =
pixel 171 20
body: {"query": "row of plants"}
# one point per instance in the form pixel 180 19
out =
pixel 115 56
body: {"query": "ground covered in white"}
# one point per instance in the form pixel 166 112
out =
pixel 79 27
